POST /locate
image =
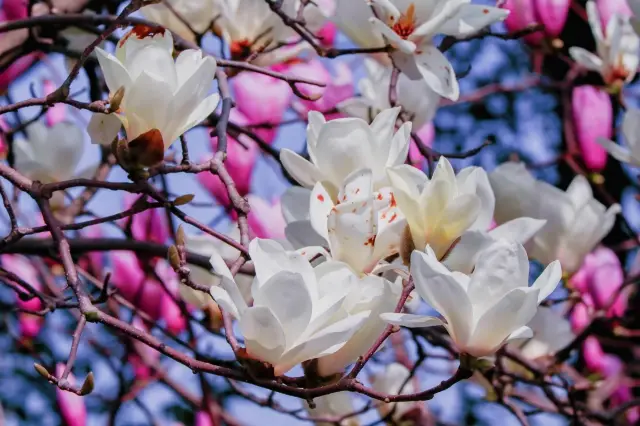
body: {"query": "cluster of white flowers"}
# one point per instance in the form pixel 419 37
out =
pixel 367 213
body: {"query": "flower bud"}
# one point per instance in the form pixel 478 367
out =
pixel 116 99
pixel 593 119
pixel 553 14
pixel 523 14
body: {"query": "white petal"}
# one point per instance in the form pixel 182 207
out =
pixel 444 293
pixel 301 234
pixel 287 297
pixel 203 110
pixel 618 152
pixel 472 18
pixel 320 205
pixel 304 172
pixel 519 230
pixel 104 128
pixel 475 180
pixel 438 72
pixel 115 74
pixel 523 332
pixel 263 334
pixel 586 59
pixel 548 280
pixel 411 321
pixel 295 204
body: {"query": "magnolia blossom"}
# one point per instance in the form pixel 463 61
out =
pixel 338 86
pixel 483 310
pixel 440 209
pixel 576 221
pixel 551 332
pixel 249 27
pixel 370 296
pixel 265 218
pixel 617 48
pixel 141 287
pixel 199 14
pixel 144 67
pixel 29 324
pixel 35 158
pixel 295 314
pixel 71 406
pixel 362 227
pixel 394 380
pixel 409 27
pixel 552 13
pixel 417 99
pixel 336 405
pixel 631 132
pixel 339 147
pixel 600 278
pixel 593 119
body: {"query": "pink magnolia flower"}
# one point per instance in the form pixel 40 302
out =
pixel 599 278
pixel 150 225
pixel 15 9
pixel 327 34
pixel 523 13
pixel 240 162
pixel 607 8
pixel 265 218
pixel 71 406
pixel 593 119
pixel 426 134
pixel 56 113
pixel 339 86
pixel 552 13
pixel 145 292
pixel 203 419
pixel 29 324
pixel 261 100
pixel 11 11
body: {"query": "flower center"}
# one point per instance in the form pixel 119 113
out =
pixel 240 49
pixel 617 73
pixel 406 23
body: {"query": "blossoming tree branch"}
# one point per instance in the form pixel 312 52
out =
pixel 173 248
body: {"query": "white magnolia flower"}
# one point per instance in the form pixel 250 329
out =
pixel 372 295
pixel 465 252
pixel 416 98
pixel 483 310
pixel 51 154
pixel 362 227
pixel 440 209
pixel 172 14
pixel 163 98
pixel 339 147
pixel 617 48
pixel 394 380
pixel 299 232
pixel 295 315
pixel 250 29
pixel 409 26
pixel 551 332
pixel 631 131
pixel 576 221
pixel 335 405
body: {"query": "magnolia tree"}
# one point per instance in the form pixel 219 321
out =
pixel 345 276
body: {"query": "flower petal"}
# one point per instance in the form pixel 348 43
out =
pixel 411 321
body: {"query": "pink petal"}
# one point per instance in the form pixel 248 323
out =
pixel 203 419
pixel 522 14
pixel 132 283
pixel 553 14
pixel 261 99
pixel 15 70
pixel 72 407
pixel 426 134
pixel 607 8
pixel 593 119
pixel 607 277
pixel 150 225
pixel 339 86
pixel 56 113
pixel 593 355
pixel 265 219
